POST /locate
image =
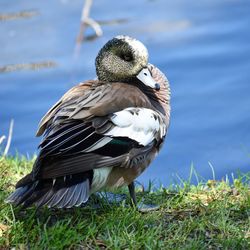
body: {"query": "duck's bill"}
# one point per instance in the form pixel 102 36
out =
pixel 145 77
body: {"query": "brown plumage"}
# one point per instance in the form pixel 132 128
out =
pixel 102 133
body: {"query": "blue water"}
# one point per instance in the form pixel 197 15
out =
pixel 202 46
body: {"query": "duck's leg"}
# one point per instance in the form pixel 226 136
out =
pixel 131 188
pixel 141 206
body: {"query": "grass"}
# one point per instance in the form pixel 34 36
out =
pixel 211 215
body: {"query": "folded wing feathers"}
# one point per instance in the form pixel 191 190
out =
pixel 77 143
pixel 89 100
pixel 67 129
pixel 74 165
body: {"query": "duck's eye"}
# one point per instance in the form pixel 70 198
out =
pixel 127 58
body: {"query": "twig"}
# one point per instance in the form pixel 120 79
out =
pixel 85 22
pixel 95 25
pixel 6 150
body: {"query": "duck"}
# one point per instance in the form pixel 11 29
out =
pixel 101 134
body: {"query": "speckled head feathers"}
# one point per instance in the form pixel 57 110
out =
pixel 120 59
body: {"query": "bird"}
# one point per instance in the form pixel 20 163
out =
pixel 101 134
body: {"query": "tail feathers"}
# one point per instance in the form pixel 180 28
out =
pixel 66 197
pixel 51 196
pixel 21 194
pixel 16 196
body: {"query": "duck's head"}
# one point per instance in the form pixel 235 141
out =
pixel 123 59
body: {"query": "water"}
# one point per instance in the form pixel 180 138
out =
pixel 203 47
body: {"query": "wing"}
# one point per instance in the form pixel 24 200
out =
pixel 107 141
pixel 91 127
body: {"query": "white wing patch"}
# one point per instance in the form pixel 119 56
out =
pixel 140 124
